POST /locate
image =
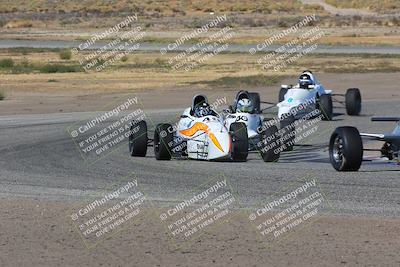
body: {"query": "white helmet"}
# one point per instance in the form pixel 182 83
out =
pixel 244 105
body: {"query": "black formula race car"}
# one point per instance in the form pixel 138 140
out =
pixel 346 148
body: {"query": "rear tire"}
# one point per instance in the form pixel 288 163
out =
pixel 269 145
pixel 353 102
pixel 240 141
pixel 326 107
pixel 282 94
pixel 346 149
pixel 162 141
pixel 289 135
pixel 138 139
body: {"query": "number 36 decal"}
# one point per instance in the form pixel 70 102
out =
pixel 241 118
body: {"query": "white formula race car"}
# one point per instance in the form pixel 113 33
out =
pixel 309 95
pixel 263 138
pixel 199 134
pixel 346 145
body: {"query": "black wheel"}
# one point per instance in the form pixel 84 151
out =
pixel 269 145
pixel 240 141
pixel 282 94
pixel 326 107
pixel 163 140
pixel 353 101
pixel 289 132
pixel 255 98
pixel 138 139
pixel 346 149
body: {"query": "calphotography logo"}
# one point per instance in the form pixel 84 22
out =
pixel 125 40
pixel 105 132
pixel 288 211
pixel 211 205
pixel 103 217
pixel 212 42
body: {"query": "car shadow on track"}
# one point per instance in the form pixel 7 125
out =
pixel 306 153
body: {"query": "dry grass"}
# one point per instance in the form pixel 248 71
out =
pixel 178 7
pixel 381 6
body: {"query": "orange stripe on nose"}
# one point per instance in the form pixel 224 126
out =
pixel 199 126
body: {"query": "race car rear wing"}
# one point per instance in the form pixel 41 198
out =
pixel 385 119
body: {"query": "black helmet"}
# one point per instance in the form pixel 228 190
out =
pixel 305 80
pixel 202 109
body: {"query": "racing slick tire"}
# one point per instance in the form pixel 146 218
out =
pixel 282 94
pixel 269 144
pixel 288 132
pixel 255 98
pixel 138 139
pixel 353 101
pixel 240 141
pixel 346 149
pixel 162 142
pixel 326 107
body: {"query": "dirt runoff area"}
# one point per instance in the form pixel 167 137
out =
pixel 39 233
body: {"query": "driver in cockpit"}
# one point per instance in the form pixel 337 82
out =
pixel 201 108
pixel 305 80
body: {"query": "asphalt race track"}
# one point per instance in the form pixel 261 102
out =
pixel 39 160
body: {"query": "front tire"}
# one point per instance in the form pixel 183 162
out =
pixel 289 132
pixel 282 94
pixel 240 141
pixel 269 145
pixel 326 107
pixel 346 149
pixel 353 101
pixel 138 139
pixel 163 141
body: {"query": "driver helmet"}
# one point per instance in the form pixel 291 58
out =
pixel 305 80
pixel 244 105
pixel 202 109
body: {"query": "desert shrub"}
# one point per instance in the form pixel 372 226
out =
pixel 65 54
pixel 160 62
pixel 57 68
pixel 6 63
pixel 282 24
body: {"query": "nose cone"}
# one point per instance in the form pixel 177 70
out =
pixel 283 110
pixel 297 94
